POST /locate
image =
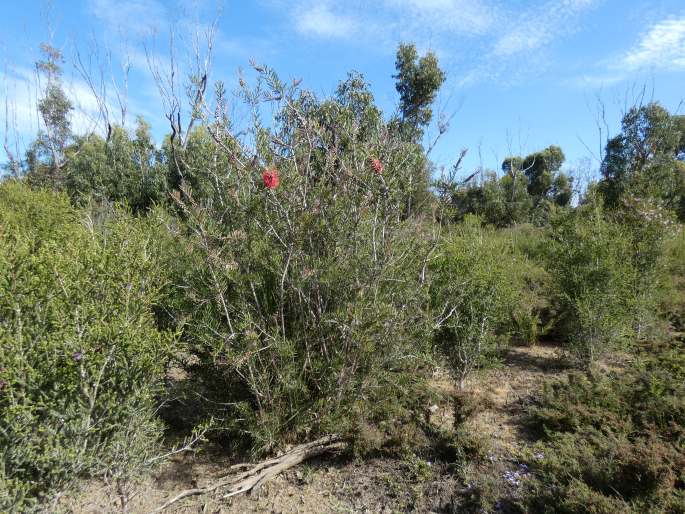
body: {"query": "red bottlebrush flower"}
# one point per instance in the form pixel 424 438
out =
pixel 270 178
pixel 377 166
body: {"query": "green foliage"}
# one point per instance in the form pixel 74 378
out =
pixel 80 357
pixel 502 201
pixel 672 293
pixel 46 155
pixel 530 188
pixel 294 279
pixel 123 169
pixel 649 227
pixel 562 191
pixel 612 443
pixel 540 167
pixel 532 316
pixel 197 166
pixel 417 82
pixel 645 160
pixel 473 295
pixel 589 260
pixel 545 181
pixel 302 304
pixel 300 307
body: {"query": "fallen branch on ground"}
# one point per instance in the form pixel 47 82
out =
pixel 256 475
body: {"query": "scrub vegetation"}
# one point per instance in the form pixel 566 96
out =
pixel 305 283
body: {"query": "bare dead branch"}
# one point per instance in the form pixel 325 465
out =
pixel 258 474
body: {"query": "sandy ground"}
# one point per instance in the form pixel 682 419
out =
pixel 383 485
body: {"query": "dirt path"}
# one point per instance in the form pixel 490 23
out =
pixel 507 391
pixel 376 485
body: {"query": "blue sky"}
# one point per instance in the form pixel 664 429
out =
pixel 521 75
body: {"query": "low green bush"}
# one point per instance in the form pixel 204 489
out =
pixel 534 315
pixel 590 262
pixel 649 228
pixel 672 297
pixel 81 359
pixel 473 293
pixel 612 443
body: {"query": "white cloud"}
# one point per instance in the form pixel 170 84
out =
pixel 19 116
pixel 521 48
pixel 454 16
pixel 396 18
pixel 319 20
pixel 594 81
pixel 660 47
pixel 539 27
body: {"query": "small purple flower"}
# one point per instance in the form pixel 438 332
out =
pixel 77 356
pixel 512 477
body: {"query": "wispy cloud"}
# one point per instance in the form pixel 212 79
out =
pixel 523 42
pixel 494 36
pixel 454 16
pixel 21 92
pixel 320 20
pixel 594 81
pixel 662 46
pixel 326 19
pixel 539 27
pixel 140 18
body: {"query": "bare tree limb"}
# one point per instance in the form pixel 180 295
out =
pixel 257 475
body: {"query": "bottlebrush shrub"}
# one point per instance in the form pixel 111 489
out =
pixel 303 307
pixel 80 357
